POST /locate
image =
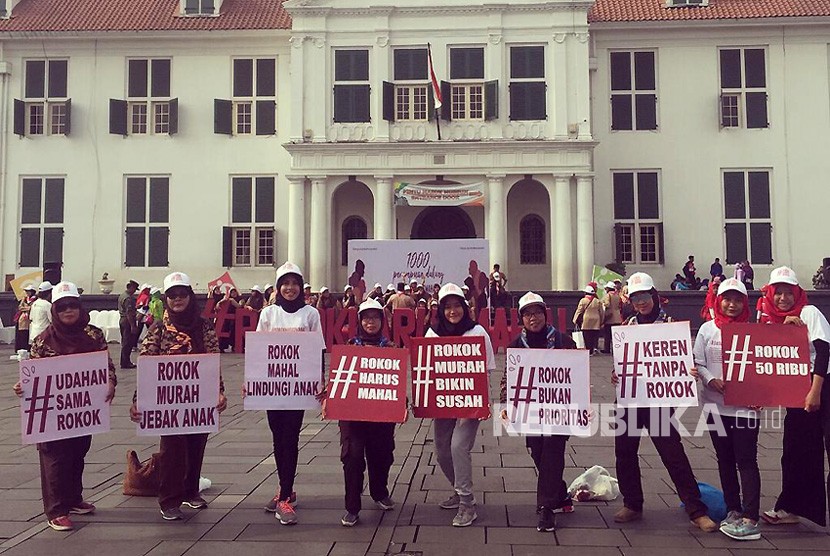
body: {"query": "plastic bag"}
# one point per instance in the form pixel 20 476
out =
pixel 579 339
pixel 714 500
pixel 594 484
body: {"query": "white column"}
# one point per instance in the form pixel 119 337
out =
pixel 497 221
pixel 558 74
pixel 563 235
pixel 319 231
pixel 297 73
pixel 384 208
pixel 584 227
pixel 296 220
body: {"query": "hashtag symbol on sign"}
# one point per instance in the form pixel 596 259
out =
pixel 528 391
pixel 343 376
pixel 634 366
pixel 44 406
pixel 421 381
pixel 739 357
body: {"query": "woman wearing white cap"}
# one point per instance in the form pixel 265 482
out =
pixel 589 316
pixel 735 431
pixel 646 302
pixel 255 301
pixel 62 461
pixel 289 313
pixel 454 438
pixel 349 299
pixel 181 330
pixel 22 319
pixel 807 429
pixel 41 311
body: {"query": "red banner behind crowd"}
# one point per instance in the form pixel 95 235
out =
pixel 765 364
pixel 449 378
pixel 367 384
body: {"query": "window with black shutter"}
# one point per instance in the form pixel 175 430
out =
pixel 747 216
pixel 253 108
pixel 199 7
pixel 41 220
pixel 743 84
pixel 150 110
pixel 251 240
pixel 351 87
pixel 412 85
pixel 638 228
pixel 633 91
pixel 45 108
pixel 467 96
pixel 146 218
pixel 528 90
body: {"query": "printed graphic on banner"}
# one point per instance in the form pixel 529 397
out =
pixel 34 278
pixel 602 276
pixel 453 195
pixel 283 370
pixel 367 384
pixel 225 283
pixel 765 364
pixel 548 391
pixel 449 378
pixel 652 362
pixel 64 397
pixel 177 394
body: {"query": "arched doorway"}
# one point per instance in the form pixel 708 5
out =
pixel 443 223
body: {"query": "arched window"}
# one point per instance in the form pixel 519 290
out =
pixel 354 227
pixel 532 239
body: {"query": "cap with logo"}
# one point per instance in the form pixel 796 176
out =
pixel 45 286
pixel 450 289
pixel 783 275
pixel 369 304
pixel 289 268
pixel 731 284
pixel 64 289
pixel 530 299
pixel 640 282
pixel 176 279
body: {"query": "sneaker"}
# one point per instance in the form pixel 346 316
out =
pixel 743 530
pixel 271 506
pixel 196 503
pixel 732 517
pixel 450 503
pixel 627 514
pixel 62 523
pixel 172 514
pixel 705 524
pixel 567 507
pixel 465 516
pixel 285 513
pixel 547 520
pixel 349 519
pixel 82 508
pixel 779 517
pixel 386 504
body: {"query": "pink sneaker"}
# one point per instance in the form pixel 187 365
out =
pixel 61 523
pixel 82 508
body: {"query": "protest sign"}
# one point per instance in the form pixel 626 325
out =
pixel 548 391
pixel 64 397
pixel 765 364
pixel 177 394
pixel 652 362
pixel 449 378
pixel 367 384
pixel 456 195
pixel 283 370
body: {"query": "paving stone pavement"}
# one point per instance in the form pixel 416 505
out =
pixel 239 463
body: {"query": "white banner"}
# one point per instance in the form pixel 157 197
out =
pixel 177 394
pixel 548 391
pixel 64 397
pixel 652 362
pixel 452 195
pixel 283 370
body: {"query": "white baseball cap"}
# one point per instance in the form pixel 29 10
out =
pixel 529 299
pixel 256 288
pixel 176 279
pixel 783 275
pixel 288 268
pixel 154 290
pixel 450 289
pixel 369 304
pixel 45 286
pixel 267 287
pixel 640 282
pixel 324 289
pixel 346 288
pixel 29 287
pixel 306 286
pixel 390 288
pixel 377 285
pixel 589 289
pixel 143 287
pixel 64 289
pixel 413 281
pixel 731 284
pixel 610 286
pixel 406 288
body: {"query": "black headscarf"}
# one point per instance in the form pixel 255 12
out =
pixel 289 306
pixel 69 339
pixel 445 327
pixel 650 318
pixel 189 322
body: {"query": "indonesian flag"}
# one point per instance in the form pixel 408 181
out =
pixel 436 87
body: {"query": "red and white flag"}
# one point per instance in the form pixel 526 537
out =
pixel 436 87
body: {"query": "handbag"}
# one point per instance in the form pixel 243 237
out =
pixel 141 479
pixel 578 338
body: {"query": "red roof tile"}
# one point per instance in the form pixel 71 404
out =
pixel 656 10
pixel 141 15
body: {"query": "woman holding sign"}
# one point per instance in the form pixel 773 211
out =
pixel 807 429
pixel 181 330
pixel 454 438
pixel 62 461
pixel 647 310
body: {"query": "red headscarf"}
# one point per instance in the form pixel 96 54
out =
pixel 711 301
pixel 769 313
pixel 721 318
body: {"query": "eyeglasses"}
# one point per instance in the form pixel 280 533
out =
pixel 640 297
pixel 370 317
pixel 68 306
pixel 532 314
pixel 178 295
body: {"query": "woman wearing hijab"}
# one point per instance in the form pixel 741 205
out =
pixel 255 302
pixel 589 317
pixel 181 330
pixel 735 431
pixel 289 313
pixel 454 438
pixel 62 461
pixel 807 429
pixel 647 310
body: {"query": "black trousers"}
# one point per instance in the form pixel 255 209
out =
pixel 285 430
pixel 737 453
pixel 606 336
pixel 180 465
pixel 366 445
pixel 129 339
pixel 21 339
pixel 591 338
pixel 548 453
pixel 670 448
pixel 61 474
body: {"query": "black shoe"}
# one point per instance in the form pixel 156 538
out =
pixel 172 514
pixel 197 503
pixel 547 520
pixel 128 366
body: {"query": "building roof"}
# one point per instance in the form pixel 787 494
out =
pixel 656 10
pixel 141 15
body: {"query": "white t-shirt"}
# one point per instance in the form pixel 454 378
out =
pixel 477 330
pixel 817 328
pixel 274 318
pixel 41 316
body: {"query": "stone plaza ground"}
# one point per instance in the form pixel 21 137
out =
pixel 239 463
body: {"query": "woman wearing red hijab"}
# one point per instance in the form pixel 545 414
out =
pixel 805 430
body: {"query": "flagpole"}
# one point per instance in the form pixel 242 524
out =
pixel 436 91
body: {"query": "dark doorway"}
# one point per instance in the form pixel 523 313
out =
pixel 443 223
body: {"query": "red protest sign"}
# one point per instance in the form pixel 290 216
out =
pixel 367 384
pixel 765 364
pixel 449 378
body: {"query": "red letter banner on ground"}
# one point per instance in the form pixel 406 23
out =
pixel 367 384
pixel 449 378
pixel 765 364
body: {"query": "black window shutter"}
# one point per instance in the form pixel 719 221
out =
pixel 432 114
pixel 53 195
pixel 618 247
pixel 491 100
pixel 759 195
pixel 621 117
pixel 118 117
pixel 388 101
pixel 735 242
pixel 446 100
pixel 222 116
pixel 160 83
pixel 19 117
pixel 351 103
pixel 661 244
pixel 52 244
pixel 227 246
pixel 57 79
pixel 174 116
pixel 266 117
pixel 623 186
pixel 264 199
pixel 67 127
pixel 134 247
pixel 30 247
pixel 158 248
pixel 137 78
pixel 646 111
pixel 760 234
pixel 756 110
pixel 159 206
pixel 241 193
